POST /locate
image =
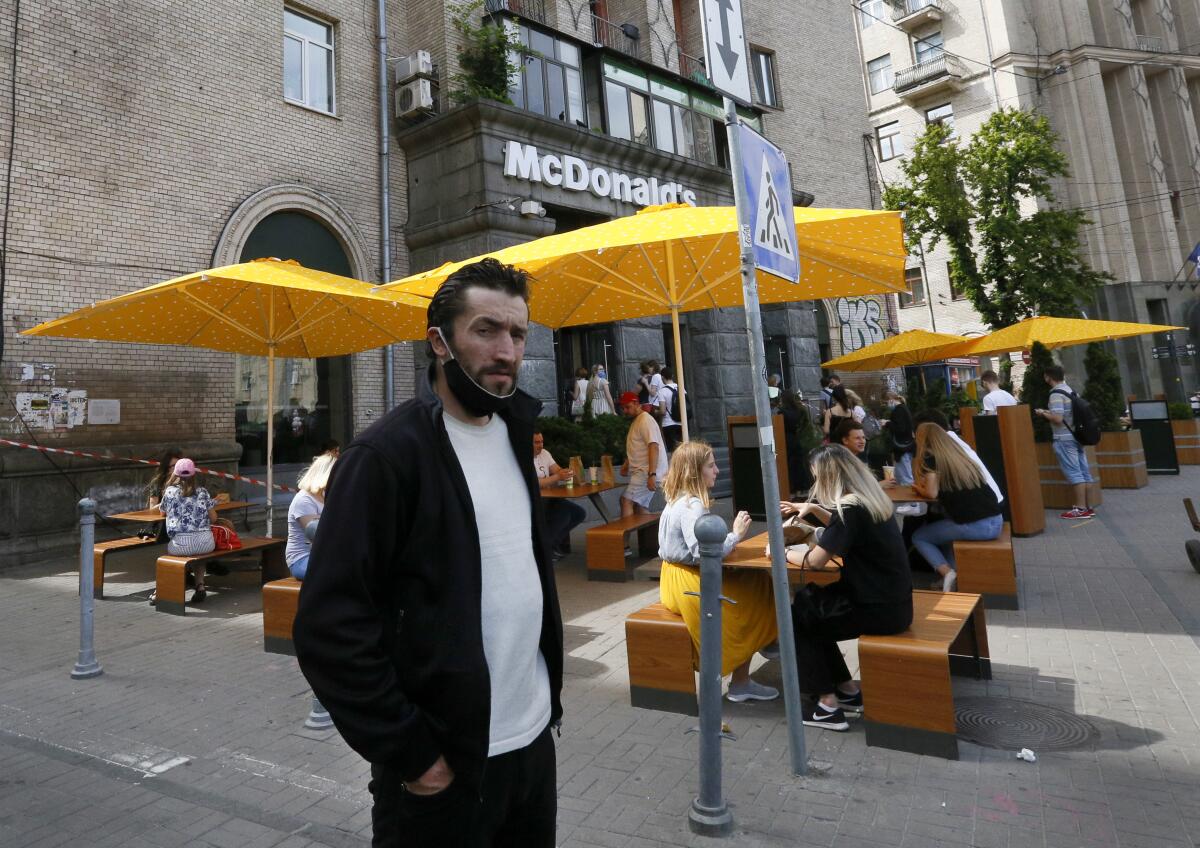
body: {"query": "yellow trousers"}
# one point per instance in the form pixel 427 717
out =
pixel 745 626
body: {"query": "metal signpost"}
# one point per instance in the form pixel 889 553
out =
pixel 86 665
pixel 764 204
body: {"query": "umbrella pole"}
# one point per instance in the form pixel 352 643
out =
pixel 270 440
pixel 679 372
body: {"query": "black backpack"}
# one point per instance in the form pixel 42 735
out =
pixel 1087 426
pixel 673 406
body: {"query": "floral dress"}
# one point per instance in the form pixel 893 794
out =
pixel 187 522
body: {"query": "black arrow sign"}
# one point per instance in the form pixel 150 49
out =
pixel 728 55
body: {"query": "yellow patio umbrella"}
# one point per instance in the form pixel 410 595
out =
pixel 267 307
pixel 1054 333
pixel 908 348
pixel 679 258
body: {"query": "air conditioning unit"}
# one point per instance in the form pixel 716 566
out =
pixel 414 98
pixel 418 64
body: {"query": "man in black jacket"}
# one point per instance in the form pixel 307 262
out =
pixel 428 623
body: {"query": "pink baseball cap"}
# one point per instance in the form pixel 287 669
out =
pixel 185 468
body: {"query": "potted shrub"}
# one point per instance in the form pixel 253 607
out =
pixel 1120 455
pixel 1186 428
pixel 1056 493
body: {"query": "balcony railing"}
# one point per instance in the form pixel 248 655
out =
pixel 693 68
pixel 1151 44
pixel 904 8
pixel 534 10
pixel 622 37
pixel 940 68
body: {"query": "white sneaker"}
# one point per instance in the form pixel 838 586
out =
pixel 949 581
pixel 751 692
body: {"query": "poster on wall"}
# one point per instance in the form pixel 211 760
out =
pixel 34 409
pixel 57 409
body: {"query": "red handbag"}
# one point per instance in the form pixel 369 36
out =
pixel 225 539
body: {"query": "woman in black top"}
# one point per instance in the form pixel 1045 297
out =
pixel 154 492
pixel 873 596
pixel 900 428
pixel 947 473
pixel 797 432
pixel 841 409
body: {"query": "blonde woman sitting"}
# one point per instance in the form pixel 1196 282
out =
pixel 873 594
pixel 945 471
pixel 747 626
pixel 305 510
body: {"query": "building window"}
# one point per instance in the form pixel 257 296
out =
pixel 916 288
pixel 955 292
pixel 763 63
pixel 870 12
pixel 308 77
pixel 879 73
pixel 928 48
pixel 943 114
pixel 891 143
pixel 549 81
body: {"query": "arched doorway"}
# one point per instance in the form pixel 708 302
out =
pixel 313 396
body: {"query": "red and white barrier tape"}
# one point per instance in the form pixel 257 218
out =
pixel 209 471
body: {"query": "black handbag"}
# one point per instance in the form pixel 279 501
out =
pixel 814 605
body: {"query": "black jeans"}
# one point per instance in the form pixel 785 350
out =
pixel 672 436
pixel 562 517
pixel 516 806
pixel 821 664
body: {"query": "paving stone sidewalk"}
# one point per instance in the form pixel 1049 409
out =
pixel 193 736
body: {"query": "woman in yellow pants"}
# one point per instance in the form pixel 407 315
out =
pixel 747 626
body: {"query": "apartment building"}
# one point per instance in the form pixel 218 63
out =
pixel 153 138
pixel 1119 82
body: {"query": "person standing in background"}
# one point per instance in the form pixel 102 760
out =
pixel 669 408
pixel 995 396
pixel 645 457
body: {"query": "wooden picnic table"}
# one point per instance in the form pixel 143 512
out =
pixel 906 494
pixel 592 491
pixel 154 514
pixel 751 554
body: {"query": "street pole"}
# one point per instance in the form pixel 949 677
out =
pixel 766 448
pixel 709 815
pixel 86 665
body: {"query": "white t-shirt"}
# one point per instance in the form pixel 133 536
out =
pixel 668 394
pixel 543 462
pixel 297 545
pixel 858 414
pixel 656 384
pixel 511 612
pixel 642 432
pixel 996 398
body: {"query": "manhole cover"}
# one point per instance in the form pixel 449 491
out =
pixel 1009 724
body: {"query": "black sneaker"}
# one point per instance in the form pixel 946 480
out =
pixel 818 715
pixel 851 703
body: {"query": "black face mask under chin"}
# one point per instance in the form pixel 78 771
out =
pixel 475 398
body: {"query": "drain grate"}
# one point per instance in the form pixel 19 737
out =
pixel 1011 724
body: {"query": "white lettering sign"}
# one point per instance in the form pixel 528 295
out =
pixel 522 162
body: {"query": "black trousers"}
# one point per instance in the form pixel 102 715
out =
pixel 672 436
pixel 562 517
pixel 821 664
pixel 516 806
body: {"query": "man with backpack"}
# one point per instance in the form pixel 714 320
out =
pixel 668 405
pixel 1074 425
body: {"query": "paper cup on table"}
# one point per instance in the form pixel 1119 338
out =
pixel 889 473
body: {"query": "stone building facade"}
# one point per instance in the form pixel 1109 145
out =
pixel 153 138
pixel 1118 82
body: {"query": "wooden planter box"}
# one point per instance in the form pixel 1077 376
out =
pixel 1122 460
pixel 1056 492
pixel 1187 440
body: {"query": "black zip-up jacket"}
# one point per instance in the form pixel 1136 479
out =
pixel 388 630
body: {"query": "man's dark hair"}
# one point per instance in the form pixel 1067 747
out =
pixel 1054 372
pixel 667 373
pixel 537 429
pixel 824 382
pixel 931 416
pixel 844 429
pixel 448 301
pixel 989 377
pixel 833 377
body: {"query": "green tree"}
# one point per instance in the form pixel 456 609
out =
pixel 487 57
pixel 1012 263
pixel 1103 390
pixel 1035 391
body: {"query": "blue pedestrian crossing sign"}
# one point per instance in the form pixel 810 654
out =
pixel 769 195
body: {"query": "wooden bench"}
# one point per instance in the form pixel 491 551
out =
pixel 100 552
pixel 905 678
pixel 606 545
pixel 171 571
pixel 989 569
pixel 279 599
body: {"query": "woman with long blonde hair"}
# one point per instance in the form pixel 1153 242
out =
pixel 305 509
pixel 872 596
pixel 747 626
pixel 944 471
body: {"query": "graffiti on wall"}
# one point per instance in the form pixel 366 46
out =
pixel 860 323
